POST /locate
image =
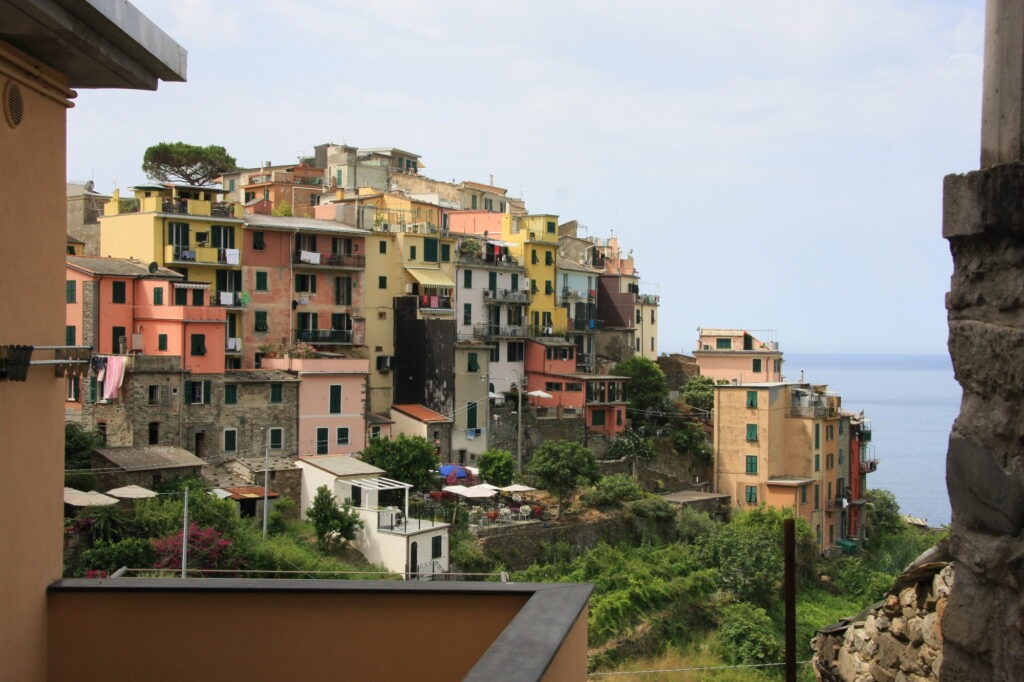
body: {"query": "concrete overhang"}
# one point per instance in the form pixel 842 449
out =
pixel 95 43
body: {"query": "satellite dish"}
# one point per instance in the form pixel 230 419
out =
pixel 153 267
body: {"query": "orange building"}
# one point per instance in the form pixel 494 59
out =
pixel 735 355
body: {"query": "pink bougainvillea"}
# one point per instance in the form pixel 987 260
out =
pixel 207 549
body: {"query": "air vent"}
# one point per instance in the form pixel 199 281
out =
pixel 14 104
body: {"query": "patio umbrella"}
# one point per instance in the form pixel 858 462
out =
pixel 92 498
pixel 488 486
pixel 517 488
pixel 469 491
pixel 132 492
pixel 492 394
pixel 539 394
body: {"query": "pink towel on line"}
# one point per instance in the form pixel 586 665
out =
pixel 115 374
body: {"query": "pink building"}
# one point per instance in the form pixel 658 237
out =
pixel 474 222
pixel 734 355
pixel 332 403
pixel 550 365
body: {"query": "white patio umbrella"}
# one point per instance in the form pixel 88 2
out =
pixel 132 492
pixel 517 488
pixel 538 394
pixel 488 486
pixel 473 491
pixel 77 498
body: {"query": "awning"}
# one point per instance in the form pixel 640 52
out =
pixel 431 278
pixel 191 285
pixel 498 242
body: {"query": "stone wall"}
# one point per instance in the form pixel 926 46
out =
pixel 666 472
pixel 678 369
pixel 897 640
pixel 536 430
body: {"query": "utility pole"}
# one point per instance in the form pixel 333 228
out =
pixel 266 477
pixel 519 426
pixel 184 536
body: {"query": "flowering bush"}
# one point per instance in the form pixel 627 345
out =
pixel 537 510
pixel 207 548
pixel 492 514
pixel 96 574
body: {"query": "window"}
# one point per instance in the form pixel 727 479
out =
pixel 261 324
pixel 471 415
pixel 446 252
pixel 382 282
pixel 501 206
pixel 553 386
pixel 305 284
pixel 322 440
pixel 430 245
pixel 154 433
pixel 828 494
pixel 74 387
pixel 492 281
pixel 198 344
pixel 549 258
pixel 829 461
pixel 723 344
pixel 840 455
pixel 120 292
pixel 488 204
pixel 598 418
pixel 435 547
pixel 551 227
pixel 817 461
pixel 830 432
pixel 467 313
pixel 69 335
pixel 231 185
pixel 412 252
pixel 154 394
pixel 514 352
pixel 276 438
pixel 473 363
pixel 161 342
pixel 343 291
pixel 261 281
pixel 573 387
pixel 653 322
pixel 533 257
pixel 751 398
pixel 277 393
pixel 374 432
pixel 751 494
pixel 803 494
pixel 309 321
pixel 533 286
pixel 197 297
pixel 548 289
pixel 817 497
pixel 752 432
pixel 757 365
pixel 117 334
pixel 230 440
pixel 158 296
pixel 71 291
pixel 343 435
pixel 639 316
pixel 197 392
pixel 230 394
pixel 382 246
pixel 751 464
pixel 515 282
pixel 817 436
pixel 467 279
pixel 335 400
pixel 472 201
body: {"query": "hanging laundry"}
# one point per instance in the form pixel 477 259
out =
pixel 227 297
pixel 309 257
pixel 114 377
pixel 231 256
pixel 245 298
pixel 435 302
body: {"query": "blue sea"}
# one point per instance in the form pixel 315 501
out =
pixel 911 401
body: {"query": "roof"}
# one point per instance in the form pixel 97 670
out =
pixel 94 43
pixel 387 151
pixel 296 223
pixel 257 375
pixel 248 492
pixel 790 480
pixel 566 264
pixel 145 457
pixel 687 496
pixel 342 465
pixel 421 413
pixel 372 418
pixel 552 341
pixel 119 267
pixel 431 278
pixel 589 377
pixel 704 331
pixel 74 240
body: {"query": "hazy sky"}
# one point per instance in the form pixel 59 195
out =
pixel 772 164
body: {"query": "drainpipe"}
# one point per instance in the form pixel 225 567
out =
pixel 291 278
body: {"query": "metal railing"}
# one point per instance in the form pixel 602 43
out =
pixel 324 335
pixel 812 412
pixel 505 331
pixel 439 303
pixel 542 330
pixel 506 295
pixel 190 254
pixel 507 262
pixel 229 299
pixel 343 260
pixel 587 325
pixel 868 466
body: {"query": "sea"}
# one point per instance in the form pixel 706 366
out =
pixel 911 401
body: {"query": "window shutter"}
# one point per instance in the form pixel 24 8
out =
pixel 335 399
pixel 188 391
pixel 470 415
pixel 206 392
pixel 69 335
pixel 92 389
pixel 70 291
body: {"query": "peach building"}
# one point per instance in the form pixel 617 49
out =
pixel 332 403
pixel 784 445
pixel 735 355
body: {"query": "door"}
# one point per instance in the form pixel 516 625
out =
pixel 200 443
pixel 413 558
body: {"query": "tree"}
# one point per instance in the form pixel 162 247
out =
pixel 187 163
pixel 331 522
pixel 632 446
pixel 699 392
pixel 496 466
pixel 747 635
pixel 78 445
pixel 410 460
pixel 883 514
pixel 282 209
pixel 561 467
pixel 647 388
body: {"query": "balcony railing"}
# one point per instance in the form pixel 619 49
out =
pixel 506 296
pixel 868 466
pixel 586 325
pixel 543 330
pixel 339 260
pixel 491 261
pixel 508 331
pixel 285 178
pixel 865 435
pixel 223 210
pixel 229 299
pixel 233 345
pixel 201 254
pixel 324 335
pixel 812 412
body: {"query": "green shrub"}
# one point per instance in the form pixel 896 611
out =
pixel 110 556
pixel 497 466
pixel 693 524
pixel 467 555
pixel 650 507
pixel 612 491
pixel 80 481
pixel 281 513
pixel 747 635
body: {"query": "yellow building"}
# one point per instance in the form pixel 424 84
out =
pixel 782 444
pixel 534 243
pixel 188 230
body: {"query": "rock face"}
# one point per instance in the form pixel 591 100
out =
pixel 984 223
pixel 899 638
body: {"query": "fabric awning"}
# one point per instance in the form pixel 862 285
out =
pixel 191 285
pixel 431 278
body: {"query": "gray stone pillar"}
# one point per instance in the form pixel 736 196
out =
pixel 983 626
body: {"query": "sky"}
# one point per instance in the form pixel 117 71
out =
pixel 772 165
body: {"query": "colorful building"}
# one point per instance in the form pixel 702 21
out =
pixel 736 355
pixel 784 445
pixel 293 189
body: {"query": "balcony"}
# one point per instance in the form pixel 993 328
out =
pixel 229 299
pixel 174 253
pixel 233 345
pixel 865 435
pixel 335 260
pixel 485 330
pixel 812 412
pixel 586 325
pixel 572 296
pixel 502 262
pixel 284 178
pixel 542 330
pixel 324 336
pixel 506 296
pixel 868 466
pixel 437 305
